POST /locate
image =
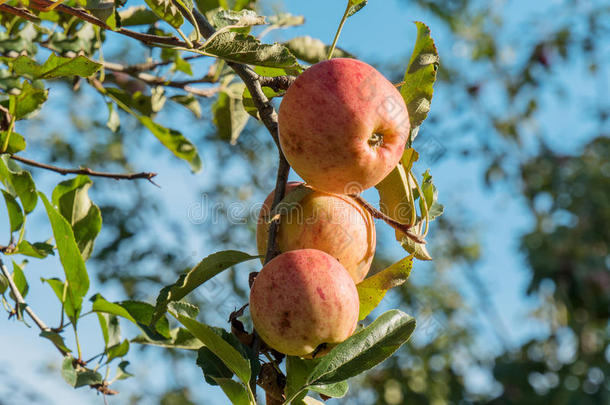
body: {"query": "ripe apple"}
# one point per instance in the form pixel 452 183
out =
pixel 333 223
pixel 343 126
pixel 303 299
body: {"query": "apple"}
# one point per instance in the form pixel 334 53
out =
pixel 303 301
pixel 333 223
pixel 343 126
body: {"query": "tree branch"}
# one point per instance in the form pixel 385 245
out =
pixel 19 12
pixel 404 228
pixel 160 81
pixel 20 301
pixel 41 5
pixel 277 83
pixel 84 170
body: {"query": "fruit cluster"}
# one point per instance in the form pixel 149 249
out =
pixel 343 128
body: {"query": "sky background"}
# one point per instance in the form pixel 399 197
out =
pixel 381 33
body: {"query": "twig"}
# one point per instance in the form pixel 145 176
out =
pixel 156 80
pixel 20 12
pixel 84 170
pixel 277 83
pixel 20 301
pixel 280 190
pixel 83 15
pixel 405 228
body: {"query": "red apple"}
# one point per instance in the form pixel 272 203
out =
pixel 343 126
pixel 303 299
pixel 333 223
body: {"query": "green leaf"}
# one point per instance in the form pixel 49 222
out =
pixel 121 372
pixel 137 101
pixel 355 6
pixel 236 392
pixel 114 122
pixel 28 101
pixel 56 338
pixel 78 376
pixel 212 366
pixel 430 195
pixel 54 67
pixel 372 290
pixel 3 284
pixel 111 329
pixel 241 48
pixel 419 78
pixel 118 350
pixel 230 117
pixel 60 289
pixel 312 50
pixel 232 358
pixel 19 182
pixel 175 142
pixel 104 10
pixel 166 11
pixel 19 279
pixel 208 5
pixel 69 255
pixel 16 142
pixel 139 313
pixel 137 15
pixel 15 214
pixel 39 250
pixel 190 102
pixel 297 372
pixel 419 250
pixel 365 349
pixel 72 199
pixel 183 308
pixel 207 268
pixel 180 338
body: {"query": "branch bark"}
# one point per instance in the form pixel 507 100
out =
pixel 84 170
pixel 20 301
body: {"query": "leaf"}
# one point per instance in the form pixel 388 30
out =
pixel 175 142
pixel 312 50
pixel 419 78
pixel 16 142
pixel 372 290
pixel 54 67
pixel 236 392
pixel 355 6
pixel 230 117
pixel 3 284
pixel 212 366
pixel 72 199
pixel 365 349
pixel 312 401
pixel 286 20
pixel 137 15
pixel 430 195
pixel 183 308
pixel 118 350
pixel 20 280
pixel 28 101
pixel 137 100
pixel 78 376
pixel 232 358
pixel 241 48
pixel 39 250
pixel 190 102
pixel 207 268
pixel 166 11
pixel 243 18
pixel 114 122
pixel 61 292
pixel 137 312
pixel 104 10
pixel 15 214
pixel 419 250
pixel 56 338
pixel 69 255
pixel 297 372
pixel 19 182
pixel 180 338
pixel 121 373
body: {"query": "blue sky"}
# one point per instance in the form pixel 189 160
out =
pixel 381 32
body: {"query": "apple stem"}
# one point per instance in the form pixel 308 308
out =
pixel 405 228
pixel 332 47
